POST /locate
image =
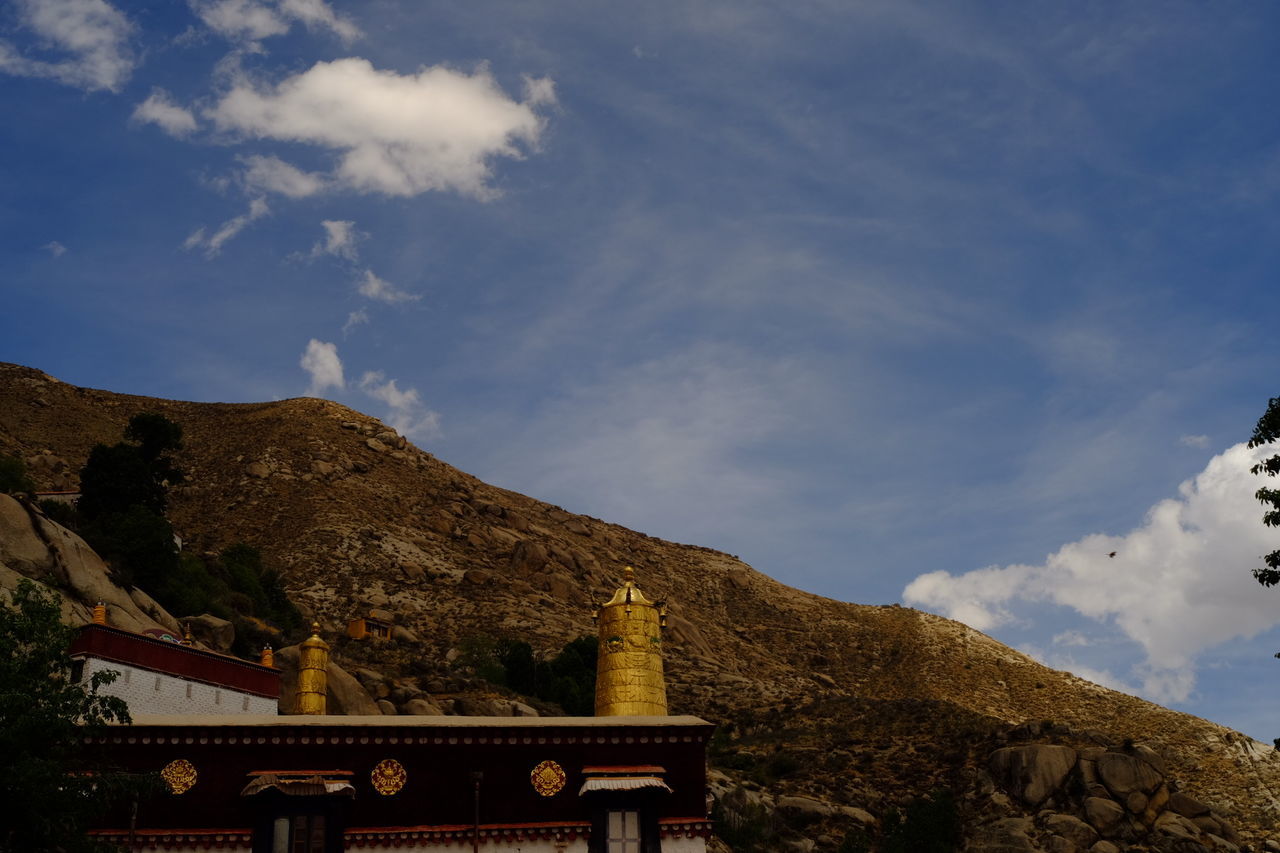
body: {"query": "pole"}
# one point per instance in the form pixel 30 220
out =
pixel 476 777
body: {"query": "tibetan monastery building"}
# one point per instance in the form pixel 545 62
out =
pixel 630 779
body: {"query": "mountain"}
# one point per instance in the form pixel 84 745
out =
pixel 832 714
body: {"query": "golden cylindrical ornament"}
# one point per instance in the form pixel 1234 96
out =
pixel 629 680
pixel 313 678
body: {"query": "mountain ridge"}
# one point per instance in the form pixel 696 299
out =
pixel 358 518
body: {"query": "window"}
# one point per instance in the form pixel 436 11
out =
pixel 624 832
pixel 298 834
pixel 188 690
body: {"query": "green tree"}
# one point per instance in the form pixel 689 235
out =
pixel 49 784
pixel 123 496
pixel 136 472
pixel 13 476
pixel 1267 432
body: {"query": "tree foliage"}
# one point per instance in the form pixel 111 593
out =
pixel 13 476
pixel 568 679
pixel 49 785
pixel 135 472
pixel 123 496
pixel 1267 431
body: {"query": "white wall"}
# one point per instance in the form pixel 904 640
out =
pixel 150 692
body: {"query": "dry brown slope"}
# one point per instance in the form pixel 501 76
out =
pixel 358 518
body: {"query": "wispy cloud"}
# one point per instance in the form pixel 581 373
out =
pixel 321 362
pixel 90 37
pixel 396 134
pixel 159 109
pixel 356 318
pixel 1177 585
pixel 340 239
pixel 372 287
pixel 407 414
pixel 1200 441
pixel 259 19
pixel 212 243
pixel 273 175
pixel 53 247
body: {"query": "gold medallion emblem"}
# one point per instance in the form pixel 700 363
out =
pixel 388 777
pixel 179 775
pixel 547 778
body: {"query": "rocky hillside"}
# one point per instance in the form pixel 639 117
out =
pixel 857 709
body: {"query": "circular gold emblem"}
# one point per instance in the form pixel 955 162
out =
pixel 388 777
pixel 179 775
pixel 547 778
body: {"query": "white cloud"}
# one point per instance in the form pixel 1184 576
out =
pixel 90 36
pixel 55 248
pixel 258 19
pixel 321 362
pixel 340 238
pixel 1194 440
pixel 1177 585
pixel 355 318
pixel 408 416
pixel 1071 638
pixel 213 243
pixel 160 109
pixel 373 287
pixel 273 175
pixel 316 14
pixel 396 134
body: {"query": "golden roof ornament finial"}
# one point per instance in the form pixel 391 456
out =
pixel 100 613
pixel 187 639
pixel 629 680
pixel 313 676
pixel 268 657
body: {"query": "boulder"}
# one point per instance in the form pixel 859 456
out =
pixel 402 634
pixel 1104 847
pixel 1033 772
pixel 479 577
pixel 1177 826
pixel 34 547
pixel 1058 844
pixel 1103 815
pixel 682 630
pixel 1079 833
pixel 387 707
pixel 1123 774
pixel 805 806
pixel 520 709
pixel 862 816
pixel 528 557
pixel 1187 805
pixel 1007 835
pixel 217 634
pixel 421 708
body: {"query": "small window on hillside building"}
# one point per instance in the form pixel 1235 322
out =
pixel 624 832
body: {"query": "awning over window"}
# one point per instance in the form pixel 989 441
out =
pixel 629 778
pixel 302 783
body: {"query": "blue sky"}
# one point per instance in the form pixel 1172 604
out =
pixel 897 302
